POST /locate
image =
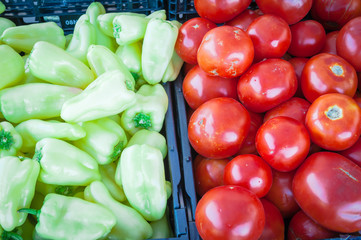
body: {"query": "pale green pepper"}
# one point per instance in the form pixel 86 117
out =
pixel 131 56
pixel 148 111
pixel 63 217
pixel 4 24
pixel 173 68
pixel 161 228
pixel 29 77
pixel 143 180
pixel 53 64
pixel 107 173
pixel 158 47
pixel 152 138
pixel 34 130
pixel 34 100
pixel 108 95
pixel 45 189
pixel 161 14
pixel 10 140
pixel 106 21
pixel 129 28
pixel 129 223
pixel 23 38
pixel 12 69
pixel 104 140
pixel 64 164
pixel 17 188
pixel 2 7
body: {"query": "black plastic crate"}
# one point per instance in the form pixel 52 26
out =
pixel 181 10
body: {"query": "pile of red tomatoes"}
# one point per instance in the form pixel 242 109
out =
pixel 273 89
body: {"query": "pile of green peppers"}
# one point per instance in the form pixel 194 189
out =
pixel 81 149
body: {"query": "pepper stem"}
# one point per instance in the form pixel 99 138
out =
pixel 31 211
pixel 10 236
pixel 6 140
pixel 117 151
pixel 64 190
pixel 142 120
pixel 37 156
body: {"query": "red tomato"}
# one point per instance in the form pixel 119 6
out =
pixel 249 171
pixel 289 10
pixel 214 134
pixel 353 153
pixel 199 87
pixel 283 142
pixel 249 146
pixel 190 37
pixel 303 227
pixel 298 64
pixel 359 81
pixel 295 108
pixel 271 37
pixel 327 186
pixel 275 227
pixel 229 212
pixel 334 14
pixel 348 43
pixel 267 84
pixel 281 194
pixel 244 19
pixel 225 51
pixel 308 38
pixel 334 121
pixel 208 173
pixel 328 73
pixel 330 44
pixel 220 11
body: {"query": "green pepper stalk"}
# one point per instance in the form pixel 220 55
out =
pixel 111 93
pixel 148 111
pixel 12 69
pixel 64 164
pixel 5 235
pixel 45 189
pixel 55 65
pixel 104 140
pixel 129 223
pixel 143 179
pixel 129 28
pixel 63 217
pixel 17 189
pixel 23 38
pixel 34 101
pixel 34 130
pixel 10 140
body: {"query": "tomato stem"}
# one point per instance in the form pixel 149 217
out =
pixel 337 70
pixel 334 112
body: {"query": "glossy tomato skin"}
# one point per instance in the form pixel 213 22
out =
pixel 244 19
pixel 249 146
pixel 283 142
pixel 214 134
pixel 267 84
pixel 330 44
pixel 353 153
pixel 298 64
pixel 225 51
pixel 208 173
pixel 291 11
pixel 199 87
pixel 271 37
pixel 334 14
pixel 229 212
pixel 303 227
pixel 190 37
pixel 328 73
pixel 220 11
pixel 334 121
pixel 281 194
pixel 308 38
pixel 249 171
pixel 295 108
pixel 327 187
pixel 348 43
pixel 275 227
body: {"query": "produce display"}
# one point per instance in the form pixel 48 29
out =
pixel 83 141
pixel 272 94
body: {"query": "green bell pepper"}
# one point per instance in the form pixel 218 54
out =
pixel 12 69
pixel 63 217
pixel 106 21
pixel 34 130
pixel 173 68
pixel 143 180
pixel 107 173
pixel 104 140
pixel 129 28
pixel 131 56
pixel 68 38
pixel 17 188
pixel 29 77
pixel 148 111
pixel 4 24
pixel 64 164
pixel 2 7
pixel 129 223
pixel 152 138
pixel 161 228
pixel 158 47
pixel 110 94
pixel 10 140
pixel 53 64
pixel 23 38
pixel 34 100
pixel 161 14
